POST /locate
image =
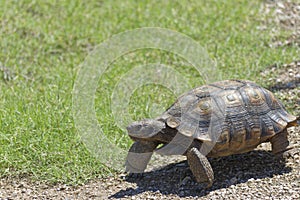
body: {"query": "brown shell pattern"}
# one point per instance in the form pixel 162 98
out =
pixel 238 114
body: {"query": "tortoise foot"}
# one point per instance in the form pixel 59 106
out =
pixel 135 176
pixel 200 167
pixel 139 156
pixel 288 153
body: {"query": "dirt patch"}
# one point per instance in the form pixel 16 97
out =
pixel 287 17
pixel 254 175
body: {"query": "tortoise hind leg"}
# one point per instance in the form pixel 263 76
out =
pixel 139 155
pixel 200 167
pixel 280 144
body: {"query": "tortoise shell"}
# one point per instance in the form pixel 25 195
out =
pixel 236 115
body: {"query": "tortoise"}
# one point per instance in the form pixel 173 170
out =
pixel 214 120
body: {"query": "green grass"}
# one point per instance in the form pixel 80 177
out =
pixel 43 43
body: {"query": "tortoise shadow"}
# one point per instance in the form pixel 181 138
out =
pixel 290 83
pixel 177 178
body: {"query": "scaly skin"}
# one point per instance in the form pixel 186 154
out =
pixel 139 156
pixel 200 167
pixel 280 144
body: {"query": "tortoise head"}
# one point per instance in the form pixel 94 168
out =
pixel 146 128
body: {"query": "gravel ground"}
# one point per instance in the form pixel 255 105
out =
pixel 254 175
pixel 287 16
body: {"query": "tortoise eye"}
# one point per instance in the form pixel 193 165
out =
pixel 138 127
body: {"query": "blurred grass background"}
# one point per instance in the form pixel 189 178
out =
pixel 43 43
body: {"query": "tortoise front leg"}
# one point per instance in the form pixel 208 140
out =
pixel 280 144
pixel 139 156
pixel 200 166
